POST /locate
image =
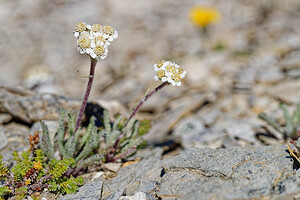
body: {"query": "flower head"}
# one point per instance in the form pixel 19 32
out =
pixel 170 72
pixel 203 16
pixel 94 40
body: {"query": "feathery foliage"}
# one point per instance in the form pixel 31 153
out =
pixel 112 142
pixel 33 174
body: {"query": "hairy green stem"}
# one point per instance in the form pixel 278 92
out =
pixel 87 93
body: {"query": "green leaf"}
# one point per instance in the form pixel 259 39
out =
pixel 288 120
pixel 107 125
pixel 88 132
pixel 89 146
pixel 92 160
pixel 46 144
pixel 71 123
pixel 61 135
pixel 272 122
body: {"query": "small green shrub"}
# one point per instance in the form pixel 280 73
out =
pixel 32 174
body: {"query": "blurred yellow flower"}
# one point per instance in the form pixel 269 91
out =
pixel 203 16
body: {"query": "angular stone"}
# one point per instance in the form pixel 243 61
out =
pixel 4 118
pixel 229 174
pixel 133 178
pixel 89 191
pixel 192 133
pixel 3 138
pixel 288 92
pixel 271 75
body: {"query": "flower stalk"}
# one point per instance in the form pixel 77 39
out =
pixel 137 108
pixel 87 93
pixel 92 40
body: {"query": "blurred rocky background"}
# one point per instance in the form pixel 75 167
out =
pixel 245 64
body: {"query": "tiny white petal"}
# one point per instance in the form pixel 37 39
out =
pixel 110 38
pixel 88 50
pixel 156 77
pixel 93 55
pixel 164 79
pixel 76 34
pixel 89 27
pixel 82 51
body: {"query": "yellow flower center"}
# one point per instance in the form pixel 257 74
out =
pixel 84 42
pixel 96 27
pixel 160 73
pixel 176 77
pixel 99 50
pixel 80 27
pixel 171 68
pixel 99 39
pixel 108 30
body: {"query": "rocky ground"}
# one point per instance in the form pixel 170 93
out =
pixel 207 141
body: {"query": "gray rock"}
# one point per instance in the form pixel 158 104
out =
pixel 246 77
pixel 146 154
pixel 288 92
pixel 138 196
pixel 271 75
pixel 292 61
pixel 210 117
pixel 3 138
pixel 192 133
pixel 294 73
pixel 141 176
pixel 90 191
pixel 233 173
pixel 4 118
pixel 238 129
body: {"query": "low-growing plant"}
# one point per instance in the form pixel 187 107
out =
pixel 292 122
pixel 32 174
pixel 117 139
pixel 95 145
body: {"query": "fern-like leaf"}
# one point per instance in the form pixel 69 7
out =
pixel 46 144
pixel 92 160
pixel 71 123
pixel 58 168
pixel 4 190
pixel 70 147
pixel 288 120
pixel 3 169
pixel 71 185
pixel 88 132
pixel 89 146
pixel 61 135
pixel 106 120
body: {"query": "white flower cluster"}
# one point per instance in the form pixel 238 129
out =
pixel 170 72
pixel 94 40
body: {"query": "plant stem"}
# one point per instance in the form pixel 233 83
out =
pixel 87 93
pixel 137 108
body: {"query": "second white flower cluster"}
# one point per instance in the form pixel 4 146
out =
pixel 170 72
pixel 94 40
